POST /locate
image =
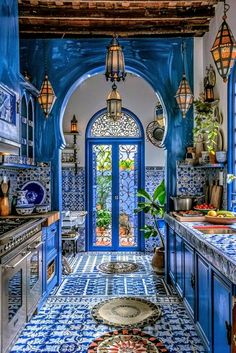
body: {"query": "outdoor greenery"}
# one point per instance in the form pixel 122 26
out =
pixel 103 219
pixel 127 164
pixel 206 126
pixel 153 205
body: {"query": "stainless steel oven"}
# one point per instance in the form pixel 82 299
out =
pixel 21 284
pixel 14 276
pixel 34 276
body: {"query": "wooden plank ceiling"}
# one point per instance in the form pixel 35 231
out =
pixel 127 18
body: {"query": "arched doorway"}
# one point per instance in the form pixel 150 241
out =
pixel 115 171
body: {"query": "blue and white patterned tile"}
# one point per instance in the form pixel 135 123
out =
pixel 65 324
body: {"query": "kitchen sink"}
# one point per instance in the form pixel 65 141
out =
pixel 215 229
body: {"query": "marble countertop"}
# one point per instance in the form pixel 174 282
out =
pixel 218 249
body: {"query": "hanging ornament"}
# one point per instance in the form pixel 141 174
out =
pixel 184 96
pixel 47 96
pixel 115 63
pixel 224 48
pixel 114 104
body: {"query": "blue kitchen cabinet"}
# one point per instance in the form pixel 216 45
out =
pixel 221 310
pixel 189 277
pixel 203 307
pixel 179 264
pixel 171 255
pixel 50 258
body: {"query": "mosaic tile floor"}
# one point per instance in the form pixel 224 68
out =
pixel 64 324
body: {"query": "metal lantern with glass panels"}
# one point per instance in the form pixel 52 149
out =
pixel 74 125
pixel 47 96
pixel 184 96
pixel 114 104
pixel 224 48
pixel 115 63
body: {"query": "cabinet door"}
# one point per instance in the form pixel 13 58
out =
pixel 203 298
pixel 171 254
pixel 179 264
pixel 189 278
pixel 221 305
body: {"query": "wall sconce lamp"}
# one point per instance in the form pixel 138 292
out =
pixel 74 125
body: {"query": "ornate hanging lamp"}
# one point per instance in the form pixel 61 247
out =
pixel 46 96
pixel 114 104
pixel 224 48
pixel 184 96
pixel 115 63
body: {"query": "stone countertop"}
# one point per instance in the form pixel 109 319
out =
pixel 218 249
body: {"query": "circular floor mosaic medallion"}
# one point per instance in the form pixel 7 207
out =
pixel 117 267
pixel 126 312
pixel 127 341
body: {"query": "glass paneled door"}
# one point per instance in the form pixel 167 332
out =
pixel 114 178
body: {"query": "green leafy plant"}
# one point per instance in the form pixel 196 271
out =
pixel 103 189
pixel 127 164
pixel 206 126
pixel 103 219
pixel 155 206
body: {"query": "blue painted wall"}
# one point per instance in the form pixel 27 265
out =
pixel 69 62
pixel 9 43
pixel 9 60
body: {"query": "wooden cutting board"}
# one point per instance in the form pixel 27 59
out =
pixel 216 196
pixel 188 219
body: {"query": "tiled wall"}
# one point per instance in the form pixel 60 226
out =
pixel 18 177
pixel 192 180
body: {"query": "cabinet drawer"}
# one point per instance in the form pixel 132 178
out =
pixel 51 242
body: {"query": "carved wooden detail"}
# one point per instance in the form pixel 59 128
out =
pixel 59 18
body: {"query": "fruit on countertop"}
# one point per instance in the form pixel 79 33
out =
pixel 221 214
pixel 212 213
pixel 204 206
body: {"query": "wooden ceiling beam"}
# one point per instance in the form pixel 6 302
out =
pixel 76 3
pixel 180 14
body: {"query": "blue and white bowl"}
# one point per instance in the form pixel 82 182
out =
pixel 42 208
pixel 24 210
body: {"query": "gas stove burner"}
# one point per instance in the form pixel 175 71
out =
pixel 9 224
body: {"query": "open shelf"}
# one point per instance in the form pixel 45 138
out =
pixel 201 166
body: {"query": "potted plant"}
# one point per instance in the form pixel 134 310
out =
pixel 206 126
pixel 154 205
pixel 103 220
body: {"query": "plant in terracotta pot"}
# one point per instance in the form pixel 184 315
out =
pixel 103 220
pixel 154 205
pixel 206 127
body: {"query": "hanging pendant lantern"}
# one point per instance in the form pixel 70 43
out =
pixel 114 104
pixel 184 96
pixel 47 96
pixel 224 48
pixel 115 63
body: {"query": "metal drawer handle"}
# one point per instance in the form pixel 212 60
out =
pixel 38 244
pixel 25 255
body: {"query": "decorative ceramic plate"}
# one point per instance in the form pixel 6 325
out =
pixel 117 267
pixel 126 312
pixel 220 220
pixel 36 192
pixel 129 341
pixel 155 133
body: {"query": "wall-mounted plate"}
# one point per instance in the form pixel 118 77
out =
pixel 36 192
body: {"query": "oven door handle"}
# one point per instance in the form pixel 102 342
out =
pixel 36 246
pixel 25 255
